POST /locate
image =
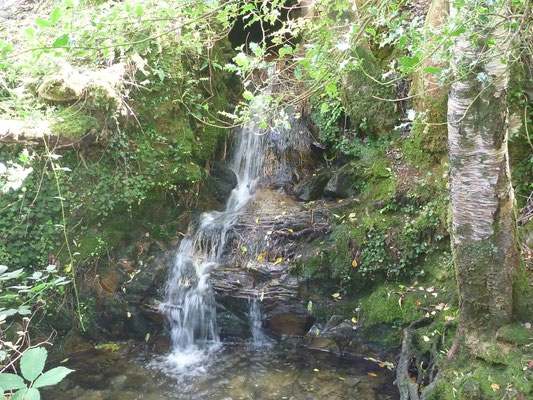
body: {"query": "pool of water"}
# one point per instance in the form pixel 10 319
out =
pixel 231 373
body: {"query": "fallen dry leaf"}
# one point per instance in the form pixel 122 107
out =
pixel 371 374
pixel 495 387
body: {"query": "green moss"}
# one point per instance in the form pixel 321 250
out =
pixel 515 334
pixel 97 242
pixel 477 379
pixel 368 114
pixel 383 306
pixel 74 124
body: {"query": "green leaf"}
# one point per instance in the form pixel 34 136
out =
pixel 408 62
pixel 32 363
pixel 139 11
pixel 30 32
pixel 371 31
pixel 331 90
pixel 248 95
pixel 432 70
pixel 11 381
pixel 298 73
pixel 27 394
pixel 52 377
pixel 55 16
pixel 324 108
pixel 42 23
pixel 61 41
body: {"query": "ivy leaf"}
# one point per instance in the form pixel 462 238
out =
pixel 52 377
pixel 61 41
pixel 55 16
pixel 371 31
pixel 331 90
pixel 30 32
pixel 432 70
pixel 42 23
pixel 408 63
pixel 32 363
pixel 11 381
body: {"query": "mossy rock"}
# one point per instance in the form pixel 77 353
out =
pixel 359 95
pixel 75 124
pixel 515 334
pixel 383 306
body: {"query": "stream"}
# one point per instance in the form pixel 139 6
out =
pixel 232 373
pixel 199 364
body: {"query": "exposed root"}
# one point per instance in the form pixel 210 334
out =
pixel 408 389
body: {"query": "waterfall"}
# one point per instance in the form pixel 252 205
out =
pixel 189 300
pixel 259 338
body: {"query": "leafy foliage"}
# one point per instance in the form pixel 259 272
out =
pixel 31 366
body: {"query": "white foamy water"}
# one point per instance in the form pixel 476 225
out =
pixel 259 338
pixel 189 301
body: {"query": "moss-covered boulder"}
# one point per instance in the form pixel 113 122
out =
pixel 361 93
pixel 312 188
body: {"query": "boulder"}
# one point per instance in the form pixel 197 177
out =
pixel 233 326
pixel 289 320
pixel 341 184
pixel 321 343
pixel 313 188
pixel 218 185
pixel 76 344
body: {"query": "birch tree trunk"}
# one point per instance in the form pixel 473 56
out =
pixel 484 241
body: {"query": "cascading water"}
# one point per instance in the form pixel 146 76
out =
pixel 259 337
pixel 189 304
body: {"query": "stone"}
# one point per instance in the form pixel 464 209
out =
pixel 351 381
pixel 118 382
pixel 219 184
pixel 314 342
pixel 312 188
pixel 341 184
pixel 289 320
pixel 76 344
pixel 233 326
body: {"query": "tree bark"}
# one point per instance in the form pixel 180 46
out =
pixel 484 241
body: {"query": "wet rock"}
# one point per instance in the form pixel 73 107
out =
pixel 76 344
pixel 341 184
pixel 233 326
pixel 313 188
pixel 148 279
pixel 352 381
pixel 217 186
pixel 118 382
pixel 160 345
pixel 289 320
pixel 315 342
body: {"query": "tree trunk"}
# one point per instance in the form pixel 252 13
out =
pixel 484 241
